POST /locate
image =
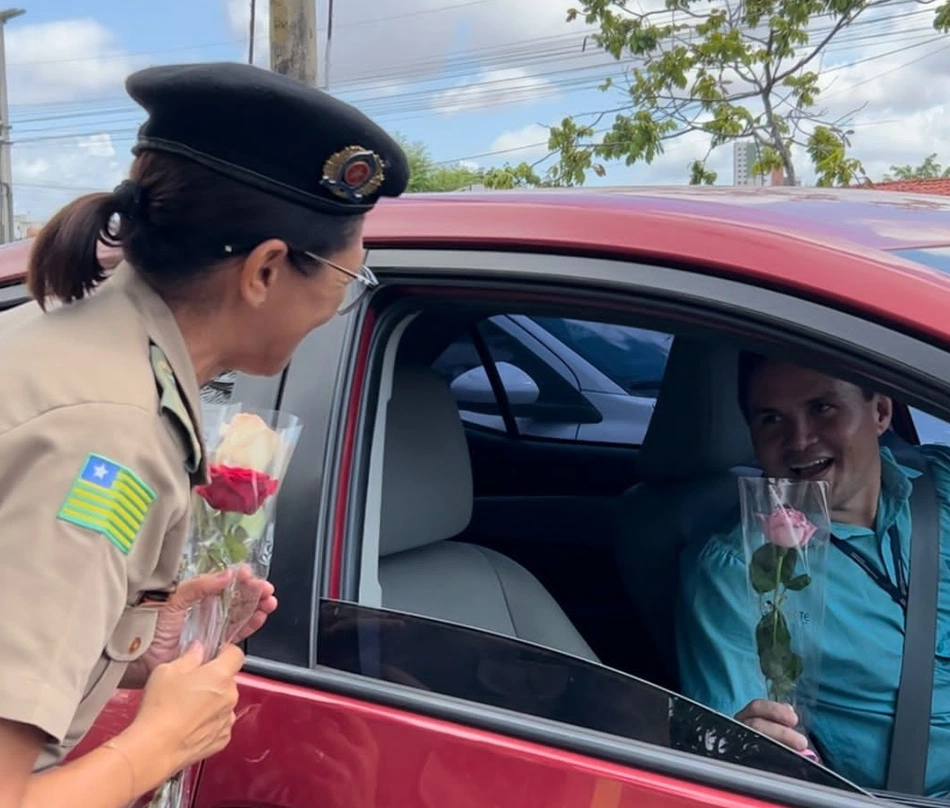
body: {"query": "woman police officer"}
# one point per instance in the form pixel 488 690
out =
pixel 241 229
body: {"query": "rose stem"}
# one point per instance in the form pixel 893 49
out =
pixel 778 596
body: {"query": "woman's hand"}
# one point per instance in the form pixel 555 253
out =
pixel 256 594
pixel 186 715
pixel 187 708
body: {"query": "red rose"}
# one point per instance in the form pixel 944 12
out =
pixel 236 489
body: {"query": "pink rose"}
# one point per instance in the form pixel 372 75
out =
pixel 786 527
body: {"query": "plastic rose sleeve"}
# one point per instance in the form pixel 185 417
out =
pixel 248 451
pixel 786 529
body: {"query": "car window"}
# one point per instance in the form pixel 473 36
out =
pixel 634 358
pixel 219 389
pixel 503 672
pixel 929 428
pixel 562 378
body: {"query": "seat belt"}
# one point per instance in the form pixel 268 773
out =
pixel 910 742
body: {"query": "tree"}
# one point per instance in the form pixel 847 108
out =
pixel 508 176
pixel 427 175
pixel 730 70
pixel 929 169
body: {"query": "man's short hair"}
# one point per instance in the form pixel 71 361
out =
pixel 751 363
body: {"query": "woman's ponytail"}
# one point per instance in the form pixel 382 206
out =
pixel 64 262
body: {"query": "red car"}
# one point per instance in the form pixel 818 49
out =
pixel 483 615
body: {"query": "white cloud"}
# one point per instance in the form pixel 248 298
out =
pixel 99 145
pixel 522 144
pixel 379 50
pixel 492 89
pixel 65 60
pixel 45 177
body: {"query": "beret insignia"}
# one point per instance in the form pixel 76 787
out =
pixel 353 173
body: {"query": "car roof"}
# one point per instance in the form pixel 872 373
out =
pixel 867 218
pixel 786 237
pixel 831 244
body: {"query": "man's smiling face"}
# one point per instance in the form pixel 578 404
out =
pixel 809 426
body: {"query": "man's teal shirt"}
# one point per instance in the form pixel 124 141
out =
pixel 862 635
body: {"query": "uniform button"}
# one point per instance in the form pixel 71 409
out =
pixel 134 645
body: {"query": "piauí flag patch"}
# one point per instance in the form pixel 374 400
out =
pixel 110 499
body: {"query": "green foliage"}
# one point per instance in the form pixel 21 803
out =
pixel 772 572
pixel 426 175
pixel 729 71
pixel 828 152
pixel 929 169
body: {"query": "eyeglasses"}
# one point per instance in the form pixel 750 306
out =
pixel 363 277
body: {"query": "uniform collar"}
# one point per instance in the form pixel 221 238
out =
pixel 163 331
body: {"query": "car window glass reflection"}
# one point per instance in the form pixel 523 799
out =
pixel 502 672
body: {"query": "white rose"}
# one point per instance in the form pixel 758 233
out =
pixel 248 442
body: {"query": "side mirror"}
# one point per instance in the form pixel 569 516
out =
pixel 473 388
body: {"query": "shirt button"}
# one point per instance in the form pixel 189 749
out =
pixel 135 645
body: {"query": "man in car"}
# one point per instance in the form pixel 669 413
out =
pixel 809 426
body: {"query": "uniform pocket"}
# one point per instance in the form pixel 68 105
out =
pixel 133 634
pixel 130 639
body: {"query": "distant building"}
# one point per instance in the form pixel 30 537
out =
pixel 24 226
pixel 744 155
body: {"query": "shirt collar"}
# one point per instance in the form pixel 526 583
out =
pixel 896 488
pixel 162 329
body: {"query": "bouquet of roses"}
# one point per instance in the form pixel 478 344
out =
pixel 232 526
pixel 786 529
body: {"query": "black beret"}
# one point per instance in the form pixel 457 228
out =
pixel 269 131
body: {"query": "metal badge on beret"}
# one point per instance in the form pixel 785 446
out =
pixel 353 173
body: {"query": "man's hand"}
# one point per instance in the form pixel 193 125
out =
pixel 253 601
pixel 777 721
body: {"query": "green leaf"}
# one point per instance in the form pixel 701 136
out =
pixel 762 582
pixel 235 547
pixel 766 558
pixel 763 568
pixel 772 632
pixel 798 583
pixel 789 558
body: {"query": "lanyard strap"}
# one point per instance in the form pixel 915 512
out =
pixel 898 592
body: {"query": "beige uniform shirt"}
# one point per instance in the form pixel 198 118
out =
pixel 99 446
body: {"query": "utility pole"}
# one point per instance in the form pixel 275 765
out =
pixel 6 170
pixel 326 50
pixel 250 43
pixel 293 39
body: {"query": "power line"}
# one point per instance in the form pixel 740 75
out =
pixel 508 54
pixel 524 86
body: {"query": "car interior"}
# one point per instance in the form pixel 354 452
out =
pixel 568 544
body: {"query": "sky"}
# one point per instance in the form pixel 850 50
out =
pixel 477 81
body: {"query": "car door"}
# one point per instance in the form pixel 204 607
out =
pixel 349 702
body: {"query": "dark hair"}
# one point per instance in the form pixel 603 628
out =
pixel 751 363
pixel 173 220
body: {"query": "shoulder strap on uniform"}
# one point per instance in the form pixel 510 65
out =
pixel 172 404
pixel 907 768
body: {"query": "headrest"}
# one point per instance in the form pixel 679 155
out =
pixel 427 471
pixel 697 427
